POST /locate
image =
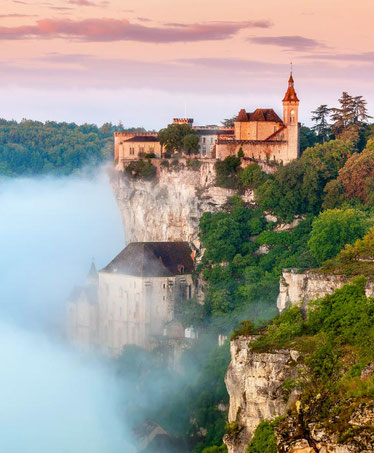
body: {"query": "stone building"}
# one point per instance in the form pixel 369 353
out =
pixel 82 325
pixel 132 146
pixel 263 135
pixel 139 293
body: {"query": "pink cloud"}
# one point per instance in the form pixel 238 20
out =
pixel 106 30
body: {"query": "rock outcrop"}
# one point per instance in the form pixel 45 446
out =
pixel 169 208
pixel 299 287
pixel 295 437
pixel 254 382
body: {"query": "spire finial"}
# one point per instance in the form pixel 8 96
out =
pixel 291 67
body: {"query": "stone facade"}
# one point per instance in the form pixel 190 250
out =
pixel 262 135
pixel 135 300
pixel 132 146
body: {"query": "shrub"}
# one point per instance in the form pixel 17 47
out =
pixel 150 156
pixel 226 172
pixel 263 440
pixel 232 429
pixel 221 449
pixel 252 176
pixel 165 163
pixel 141 169
pixel 193 164
pixel 241 153
pixel 245 328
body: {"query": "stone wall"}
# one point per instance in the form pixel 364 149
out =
pixel 299 287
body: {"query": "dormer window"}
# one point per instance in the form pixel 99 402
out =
pixel 180 268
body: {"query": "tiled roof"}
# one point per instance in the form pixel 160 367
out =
pixel 144 138
pixel 259 115
pixel 153 259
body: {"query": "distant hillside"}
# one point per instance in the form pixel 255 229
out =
pixel 35 148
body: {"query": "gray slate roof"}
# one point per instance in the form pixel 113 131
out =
pixel 153 259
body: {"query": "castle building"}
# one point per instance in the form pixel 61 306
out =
pixel 134 145
pixel 138 296
pixel 263 135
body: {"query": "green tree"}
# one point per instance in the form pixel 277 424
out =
pixel 191 143
pixel 172 137
pixel 333 229
pixel 251 176
pixel 320 118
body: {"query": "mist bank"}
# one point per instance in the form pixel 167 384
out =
pixel 54 400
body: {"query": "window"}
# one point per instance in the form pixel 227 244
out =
pixel 151 149
pixel 141 149
pixel 132 150
pixel 204 140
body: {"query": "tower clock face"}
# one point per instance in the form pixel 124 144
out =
pixel 292 112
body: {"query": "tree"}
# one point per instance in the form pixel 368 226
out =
pixel 252 176
pixel 361 116
pixel 226 171
pixel 229 122
pixel 320 118
pixel 241 153
pixel 191 143
pixel 172 137
pixel 333 229
pixel 357 171
pixel 308 138
pixel 344 116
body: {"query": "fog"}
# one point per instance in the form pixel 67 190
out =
pixel 52 399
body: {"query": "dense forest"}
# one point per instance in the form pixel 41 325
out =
pixel 36 148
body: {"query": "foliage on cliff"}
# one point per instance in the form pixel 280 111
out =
pixel 34 148
pixel 179 137
pixel 336 340
pixel 333 229
pixel 238 276
pixel 264 438
pixel 356 259
pixel 298 187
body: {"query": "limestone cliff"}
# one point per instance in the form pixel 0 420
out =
pixel 297 286
pixel 254 382
pixel 169 208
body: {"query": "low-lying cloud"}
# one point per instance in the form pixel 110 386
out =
pixel 108 30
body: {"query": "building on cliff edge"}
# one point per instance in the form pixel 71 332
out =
pixel 263 135
pixel 135 299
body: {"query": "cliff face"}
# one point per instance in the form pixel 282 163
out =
pixel 254 382
pixel 169 208
pixel 300 287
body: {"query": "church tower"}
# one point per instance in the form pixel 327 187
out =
pixel 291 119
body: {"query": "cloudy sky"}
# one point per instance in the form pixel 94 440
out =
pixel 146 61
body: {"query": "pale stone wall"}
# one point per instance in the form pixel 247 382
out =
pixel 266 151
pixel 134 150
pixel 255 130
pixel 131 309
pixel 82 323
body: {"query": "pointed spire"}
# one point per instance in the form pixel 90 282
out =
pixel 291 93
pixel 92 275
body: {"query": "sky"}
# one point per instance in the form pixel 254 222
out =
pixel 144 62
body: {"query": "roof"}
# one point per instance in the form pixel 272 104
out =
pixel 153 259
pixel 290 93
pixel 259 115
pixel 145 138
